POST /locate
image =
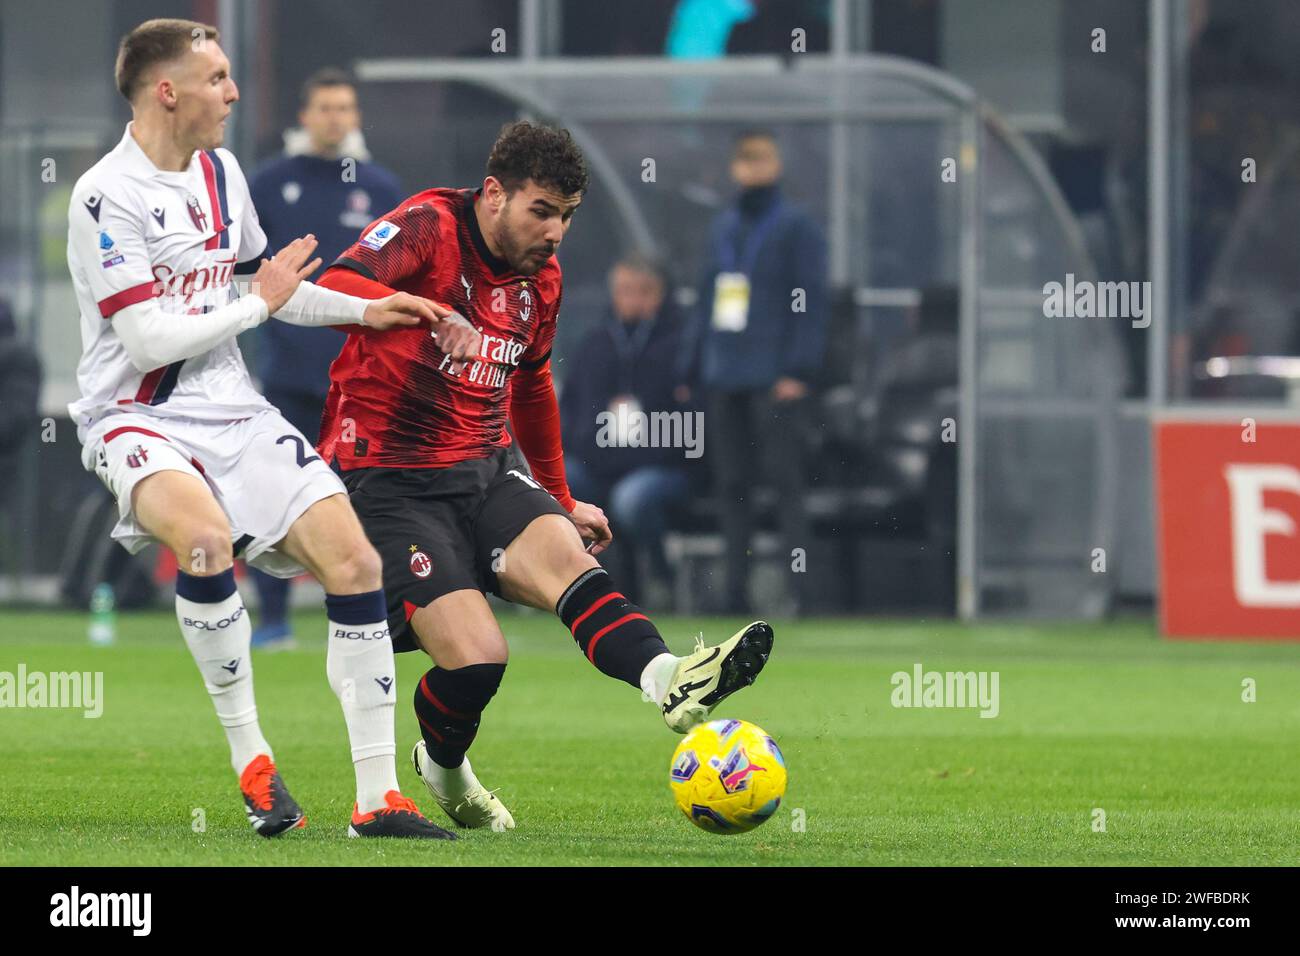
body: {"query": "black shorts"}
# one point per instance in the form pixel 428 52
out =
pixel 439 530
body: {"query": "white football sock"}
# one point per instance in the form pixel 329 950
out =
pixel 655 677
pixel 218 637
pixel 363 675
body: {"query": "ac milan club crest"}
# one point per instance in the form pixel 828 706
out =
pixel 137 456
pixel 197 215
pixel 421 566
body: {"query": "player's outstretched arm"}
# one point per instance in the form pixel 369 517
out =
pixel 154 338
pixel 455 335
pixel 293 300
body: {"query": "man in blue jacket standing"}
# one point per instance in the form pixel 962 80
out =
pixel 759 339
pixel 323 184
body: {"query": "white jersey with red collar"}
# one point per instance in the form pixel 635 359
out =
pixel 136 232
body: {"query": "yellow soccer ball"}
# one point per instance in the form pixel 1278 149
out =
pixel 727 776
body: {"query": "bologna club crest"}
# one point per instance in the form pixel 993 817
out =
pixel 137 456
pixel 197 215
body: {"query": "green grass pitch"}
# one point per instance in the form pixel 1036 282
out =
pixel 1108 717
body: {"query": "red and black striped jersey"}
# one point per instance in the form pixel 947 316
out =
pixel 394 400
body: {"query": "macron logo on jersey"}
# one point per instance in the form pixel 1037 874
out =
pixel 92 207
pixel 378 237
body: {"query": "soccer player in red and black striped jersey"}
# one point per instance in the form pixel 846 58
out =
pixel 416 423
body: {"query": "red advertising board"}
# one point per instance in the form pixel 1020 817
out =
pixel 1228 527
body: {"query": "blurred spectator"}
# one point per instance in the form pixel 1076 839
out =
pixel 929 356
pixel 757 341
pixel 629 359
pixel 324 185
pixel 20 390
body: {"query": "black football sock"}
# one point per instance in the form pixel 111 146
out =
pixel 613 632
pixel 449 703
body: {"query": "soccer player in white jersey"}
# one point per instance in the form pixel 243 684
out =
pixel 196 458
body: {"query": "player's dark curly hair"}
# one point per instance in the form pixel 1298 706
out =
pixel 545 154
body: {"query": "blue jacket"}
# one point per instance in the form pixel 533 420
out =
pixel 295 195
pixel 611 360
pixel 780 248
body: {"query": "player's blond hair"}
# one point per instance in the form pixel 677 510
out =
pixel 152 42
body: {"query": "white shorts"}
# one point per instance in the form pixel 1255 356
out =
pixel 262 471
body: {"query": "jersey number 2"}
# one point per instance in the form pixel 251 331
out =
pixel 303 460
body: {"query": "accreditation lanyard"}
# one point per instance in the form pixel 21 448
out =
pixel 730 257
pixel 731 292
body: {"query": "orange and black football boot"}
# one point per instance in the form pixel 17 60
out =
pixel 401 818
pixel 270 809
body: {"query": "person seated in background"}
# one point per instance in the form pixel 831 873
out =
pixel 628 360
pixel 324 184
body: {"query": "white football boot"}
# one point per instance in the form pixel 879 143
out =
pixel 460 795
pixel 709 675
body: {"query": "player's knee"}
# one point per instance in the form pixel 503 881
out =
pixel 369 567
pixel 491 648
pixel 361 570
pixel 205 549
pixel 574 561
